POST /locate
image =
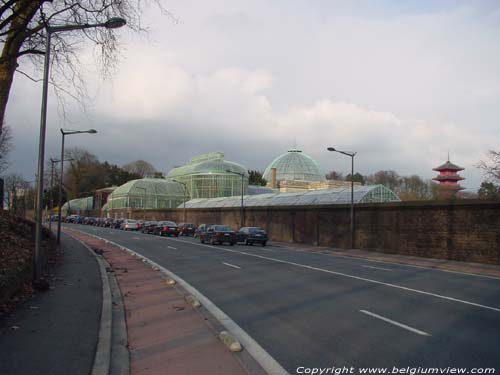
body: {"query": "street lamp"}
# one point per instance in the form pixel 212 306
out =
pixel 51 203
pixel 143 203
pixel 110 24
pixel 351 154
pixel 65 133
pixel 185 194
pixel 242 214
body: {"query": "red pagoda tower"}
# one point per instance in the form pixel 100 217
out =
pixel 448 179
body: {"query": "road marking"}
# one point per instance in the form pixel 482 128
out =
pixel 231 265
pixel 135 238
pixel 343 274
pixel 358 278
pixel 378 268
pixel 171 247
pixel 401 325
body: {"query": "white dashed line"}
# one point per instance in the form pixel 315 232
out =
pixel 231 265
pixel 171 247
pixel 378 268
pixel 401 325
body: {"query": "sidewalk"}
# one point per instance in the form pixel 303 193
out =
pixel 439 264
pixel 55 332
pixel 166 335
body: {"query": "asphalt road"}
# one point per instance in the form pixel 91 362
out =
pixel 317 310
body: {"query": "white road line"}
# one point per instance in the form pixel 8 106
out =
pixel 378 268
pixel 357 278
pixel 231 265
pixel 171 247
pixel 345 275
pixel 401 325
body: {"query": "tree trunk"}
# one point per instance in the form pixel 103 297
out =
pixel 7 70
pixel 17 33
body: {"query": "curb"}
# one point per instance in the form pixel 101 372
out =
pixel 259 354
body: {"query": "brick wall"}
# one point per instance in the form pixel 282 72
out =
pixel 460 230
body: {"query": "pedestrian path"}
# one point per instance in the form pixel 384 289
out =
pixel 55 332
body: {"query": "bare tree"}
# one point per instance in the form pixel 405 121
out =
pixel 491 167
pixel 5 148
pixel 19 194
pixel 334 175
pixel 140 167
pixel 22 34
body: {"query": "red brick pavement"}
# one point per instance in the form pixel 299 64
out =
pixel 166 335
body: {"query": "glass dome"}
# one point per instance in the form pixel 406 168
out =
pixel 295 165
pixel 148 193
pixel 79 206
pixel 210 176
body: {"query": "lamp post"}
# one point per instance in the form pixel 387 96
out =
pixel 143 203
pixel 242 214
pixel 184 185
pixel 51 204
pixel 112 23
pixel 351 154
pixel 65 133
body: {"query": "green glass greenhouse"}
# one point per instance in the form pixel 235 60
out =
pixel 295 165
pixel 362 194
pixel 210 176
pixel 147 193
pixel 80 206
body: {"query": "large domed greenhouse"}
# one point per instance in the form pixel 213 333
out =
pixel 146 193
pixel 210 176
pixel 294 165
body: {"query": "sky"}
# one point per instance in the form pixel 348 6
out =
pixel 402 83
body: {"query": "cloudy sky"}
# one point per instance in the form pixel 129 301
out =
pixel 400 82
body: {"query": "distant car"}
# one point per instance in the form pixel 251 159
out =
pixel 79 220
pixel 71 218
pixel 116 223
pixel 88 220
pixel 107 222
pixel 140 224
pixel 167 228
pixel 129 224
pixel 218 234
pixel 187 229
pixel 251 235
pixel 201 228
pixel 149 227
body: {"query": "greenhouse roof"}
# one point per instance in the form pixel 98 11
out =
pixel 210 163
pixel 295 165
pixel 149 186
pixel 362 194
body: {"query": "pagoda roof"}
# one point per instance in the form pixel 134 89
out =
pixel 448 166
pixel 450 178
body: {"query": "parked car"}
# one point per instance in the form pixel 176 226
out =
pixel 71 219
pixel 116 223
pixel 201 228
pixel 251 235
pixel 107 222
pixel 149 227
pixel 218 234
pixel 140 224
pixel 167 228
pixel 187 229
pixel 88 220
pixel 79 220
pixel 129 224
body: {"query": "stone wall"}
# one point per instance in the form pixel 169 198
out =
pixel 461 230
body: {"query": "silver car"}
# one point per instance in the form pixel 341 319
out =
pixel 129 224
